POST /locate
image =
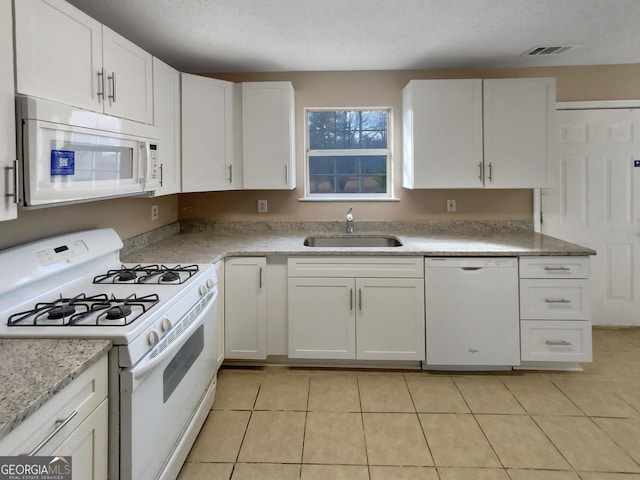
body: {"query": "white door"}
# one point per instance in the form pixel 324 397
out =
pixel 245 305
pixel 390 319
pixel 166 110
pixel 129 78
pixel 321 318
pixel 208 136
pixel 518 131
pixel 8 207
pixel 58 53
pixel 597 204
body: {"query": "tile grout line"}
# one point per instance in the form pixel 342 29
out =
pixel 424 435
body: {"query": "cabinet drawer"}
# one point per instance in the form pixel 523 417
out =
pixel 553 341
pixel 341 267
pixel 554 299
pixel 554 267
pixel 62 414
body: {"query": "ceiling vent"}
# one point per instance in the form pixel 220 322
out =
pixel 547 50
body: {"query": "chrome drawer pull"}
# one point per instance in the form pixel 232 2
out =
pixel 557 269
pixel 562 343
pixel 59 424
pixel 556 300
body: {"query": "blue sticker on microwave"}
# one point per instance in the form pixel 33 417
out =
pixel 63 162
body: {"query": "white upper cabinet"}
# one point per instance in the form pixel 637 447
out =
pixel 66 56
pixel 166 108
pixel 268 135
pixel 472 133
pixel 8 205
pixel 128 71
pixel 211 149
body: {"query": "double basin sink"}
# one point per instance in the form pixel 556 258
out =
pixel 352 241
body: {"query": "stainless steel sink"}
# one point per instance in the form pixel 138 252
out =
pixel 353 241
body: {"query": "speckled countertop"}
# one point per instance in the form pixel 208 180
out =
pixel 34 370
pixel 200 243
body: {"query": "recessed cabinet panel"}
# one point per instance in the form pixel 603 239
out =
pixel 442 134
pixel 555 341
pixel 559 299
pixel 209 149
pixel 322 322
pixel 268 135
pixel 58 53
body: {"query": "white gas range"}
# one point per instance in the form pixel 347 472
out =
pixel 161 319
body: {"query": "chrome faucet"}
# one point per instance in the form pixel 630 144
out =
pixel 350 220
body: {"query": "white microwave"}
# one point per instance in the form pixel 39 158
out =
pixel 70 155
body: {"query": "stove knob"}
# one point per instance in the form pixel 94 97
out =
pixel 165 325
pixel 153 338
pixel 203 289
pixel 209 283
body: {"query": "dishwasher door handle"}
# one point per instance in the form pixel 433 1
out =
pixel 471 269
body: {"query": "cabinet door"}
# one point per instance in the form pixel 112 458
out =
pixel 268 135
pixel 87 445
pixel 220 312
pixel 245 308
pixel 322 318
pixel 519 132
pixel 128 71
pixel 209 150
pixel 8 207
pixel 442 134
pixel 390 319
pixel 58 53
pixel 166 108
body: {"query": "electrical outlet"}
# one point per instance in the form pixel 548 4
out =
pixel 262 206
pixel 154 212
pixel 451 205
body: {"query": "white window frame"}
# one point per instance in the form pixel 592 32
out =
pixel 349 152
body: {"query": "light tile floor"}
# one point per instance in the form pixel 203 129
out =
pixel 317 424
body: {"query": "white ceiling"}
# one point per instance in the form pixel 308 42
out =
pixel 307 35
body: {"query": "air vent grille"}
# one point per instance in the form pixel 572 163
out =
pixel 547 50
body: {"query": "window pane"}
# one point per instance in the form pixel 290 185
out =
pixel 347 165
pixel 348 184
pixel 321 165
pixel 374 184
pixel 374 164
pixel 321 184
pixel 374 120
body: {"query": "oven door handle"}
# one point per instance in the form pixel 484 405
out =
pixel 144 366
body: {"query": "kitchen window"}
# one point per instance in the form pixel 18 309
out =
pixel 348 154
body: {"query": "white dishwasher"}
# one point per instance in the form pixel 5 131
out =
pixel 472 313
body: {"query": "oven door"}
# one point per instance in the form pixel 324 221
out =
pixel 159 396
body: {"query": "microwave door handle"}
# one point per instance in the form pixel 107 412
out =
pixel 144 164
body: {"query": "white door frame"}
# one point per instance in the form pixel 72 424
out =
pixel 590 105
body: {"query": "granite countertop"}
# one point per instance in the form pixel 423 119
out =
pixel 34 370
pixel 208 244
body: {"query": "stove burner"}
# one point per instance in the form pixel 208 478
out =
pixel 61 311
pixel 118 312
pixel 155 274
pixel 126 276
pixel 170 276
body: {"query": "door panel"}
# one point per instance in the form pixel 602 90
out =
pixel 597 204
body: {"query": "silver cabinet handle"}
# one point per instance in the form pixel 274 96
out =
pixel 16 187
pixel 557 269
pixel 59 425
pixel 161 175
pixel 360 299
pixel 286 173
pixel 490 172
pixel 112 77
pixel 556 300
pixel 562 343
pixel 101 84
pixel 480 171
pixel 260 278
pixel 351 299
pixel 230 173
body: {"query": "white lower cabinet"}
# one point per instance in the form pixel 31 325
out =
pixel 555 311
pixel 245 308
pixel 376 315
pixel 74 423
